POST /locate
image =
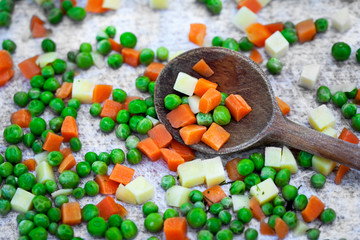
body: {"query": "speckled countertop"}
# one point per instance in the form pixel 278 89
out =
pixel 170 28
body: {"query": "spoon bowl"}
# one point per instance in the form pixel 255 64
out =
pixel 237 74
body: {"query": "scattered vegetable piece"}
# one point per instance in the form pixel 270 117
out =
pixel 203 69
pixel 101 93
pixel 192 134
pixel 244 18
pixel 215 137
pixel 52 142
pixel 181 116
pixel 29 68
pixel 21 118
pixel 106 186
pixel 306 30
pixel 68 163
pixel 160 135
pixel 197 33
pixel 284 107
pixel 257 34
pixel 131 56
pixel 110 109
pixel 172 158
pixel 256 56
pixel 184 151
pixel 281 228
pixel 153 70
pixel 69 128
pixel 175 228
pixel 71 213
pixel 313 209
pixel 108 207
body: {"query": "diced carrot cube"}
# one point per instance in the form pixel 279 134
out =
pixel 172 158
pixel 184 151
pixel 192 134
pixel 52 142
pixel 6 61
pixel 106 186
pixel 110 109
pixel 281 228
pixel 29 68
pixel 68 163
pixel 306 30
pixel 197 33
pixel 71 213
pixel 265 229
pixel 237 106
pixel 210 100
pixel 284 108
pixel 214 195
pixel 181 116
pixel 69 128
pixel 64 91
pixel 101 93
pixel 313 209
pixel 131 56
pixel 257 34
pixel 256 56
pixel 115 46
pixel 253 5
pixel 274 27
pixel 160 135
pixel 202 86
pixel 21 118
pixel 121 174
pixel 175 228
pixel 108 207
pixel 153 70
pixel 231 169
pixel 215 137
pixel 203 68
pixel 95 6
pixel 5 76
pixel 150 149
pixel 65 152
pixel 30 163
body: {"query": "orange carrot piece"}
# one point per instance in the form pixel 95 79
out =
pixel 101 93
pixel 274 27
pixel 108 207
pixel 256 209
pixel 357 97
pixel 284 108
pixel 257 34
pixel 122 210
pixel 52 142
pixel 192 134
pixel 184 151
pixel 348 136
pixel 153 70
pixel 172 158
pixel 5 76
pixel 39 30
pixel 181 116
pixel 202 86
pixel 106 186
pixel 21 118
pixel 160 135
pixel 213 195
pixel 35 19
pixel 29 68
pixel 265 229
pixel 150 149
pixel 5 60
pixel 71 213
pixel 342 170
pixel 313 209
pixel 231 169
pixel 131 56
pixel 68 163
pixel 95 6
pixel 253 5
pixel 115 46
pixel 69 128
pixel 30 163
pixel 281 228
pixel 237 106
pixel 65 152
pixel 121 174
pixel 197 33
pixel 306 30
pixel 64 91
pixel 215 137
pixel 175 228
pixel 210 100
pixel 128 100
pixel 110 109
pixel 256 56
pixel 203 68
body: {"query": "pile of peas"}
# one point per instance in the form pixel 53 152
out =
pixel 340 99
pixel 6 9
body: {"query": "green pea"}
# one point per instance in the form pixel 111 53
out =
pixel 123 116
pixel 41 220
pixel 323 94
pixel 154 222
pixel 185 100
pixel 274 66
pixel 328 215
pixel 76 13
pixel 196 217
pixel 251 234
pixel 67 5
pixel 69 179
pixel 137 106
pixel 29 139
pixel 236 227
pixel 84 60
pixel 151 112
pixel 245 167
pixel 133 156
pixel 13 134
pixel 47 72
pixel 53 226
pixel 115 221
pixel 151 88
pixel 279 201
pixel 224 234
pixel 6 169
pixel 349 110
pixel 195 196
pixel 69 111
pixel 51 186
pixel 267 209
pixel 226 202
pixel 89 211
pixel 91 157
pixel 103 47
pixel 5 19
pixel 20 169
pixel 65 231
pixel 321 25
pixel 36 107
pixel 41 204
pixel 122 131
pixel 144 126
pixel 8 191
pixel 146 56
pixel 358 55
pixel 352 93
pixel 115 60
pixel 9 45
pixel 356 122
pixel 205 235
pixel 57 105
pixel 44 134
pixel 48 45
pixel 27 181
pixel 113 233
pixel 85 47
pixel 271 221
pixel 5 207
pixel 199 205
pixel 59 66
pixel 34 93
pixel 75 144
pixel 317 180
pixel 225 217
pixel 110 31
pixel 290 35
pixel 231 43
pixel 214 6
pixel 29 215
pixel 289 192
pixel 21 99
pixel 279 211
pixel 162 53
pixel 221 115
pixel 83 169
pixel 217 41
pixel 128 40
pixel 91 188
pixel 11 180
pixel 258 160
pixel 128 229
pixel 169 213
pixel 282 177
pixel 313 234
pixel 167 182
pixel 237 187
pixel 78 193
pixel 341 51
pixel 223 98
pixel 216 208
pixel 339 99
pixel 37 81
pixel 71 56
pixel 55 158
pixel 150 207
pixel 56 123
pixel 305 159
pixel 104 157
pixel 300 202
pixel 107 125
pixel 95 109
pixel 131 142
pixel 245 44
pixel 46 97
pixel 119 95
pixel 54 214
pixel 142 83
pixel 251 180
pixel 51 84
pixel 289 24
pixel 213 225
pixel 99 168
pixel 25 226
pixel 68 76
pixel 117 156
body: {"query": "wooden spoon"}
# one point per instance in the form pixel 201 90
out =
pixel 237 74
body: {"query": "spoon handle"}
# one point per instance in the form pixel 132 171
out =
pixel 306 139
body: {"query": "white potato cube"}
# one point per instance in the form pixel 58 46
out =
pixel 40 157
pixel 185 84
pixel 321 117
pixel 177 196
pixel 124 195
pixel 65 192
pixel 194 103
pixel 159 4
pixel 345 87
pixel 263 3
pixel 341 20
pixel 191 173
pixel 300 229
pixel 273 157
pixel 46 58
pixel 309 76
pixel 240 201
pixel 44 172
pixel 111 4
pixel 98 59
pixel 83 90
pixel 264 191
pixel 141 188
pixel 22 200
pixel 214 171
pixel 244 18
pixel 322 165
pixel 276 45
pixel 330 131
pixel 288 160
